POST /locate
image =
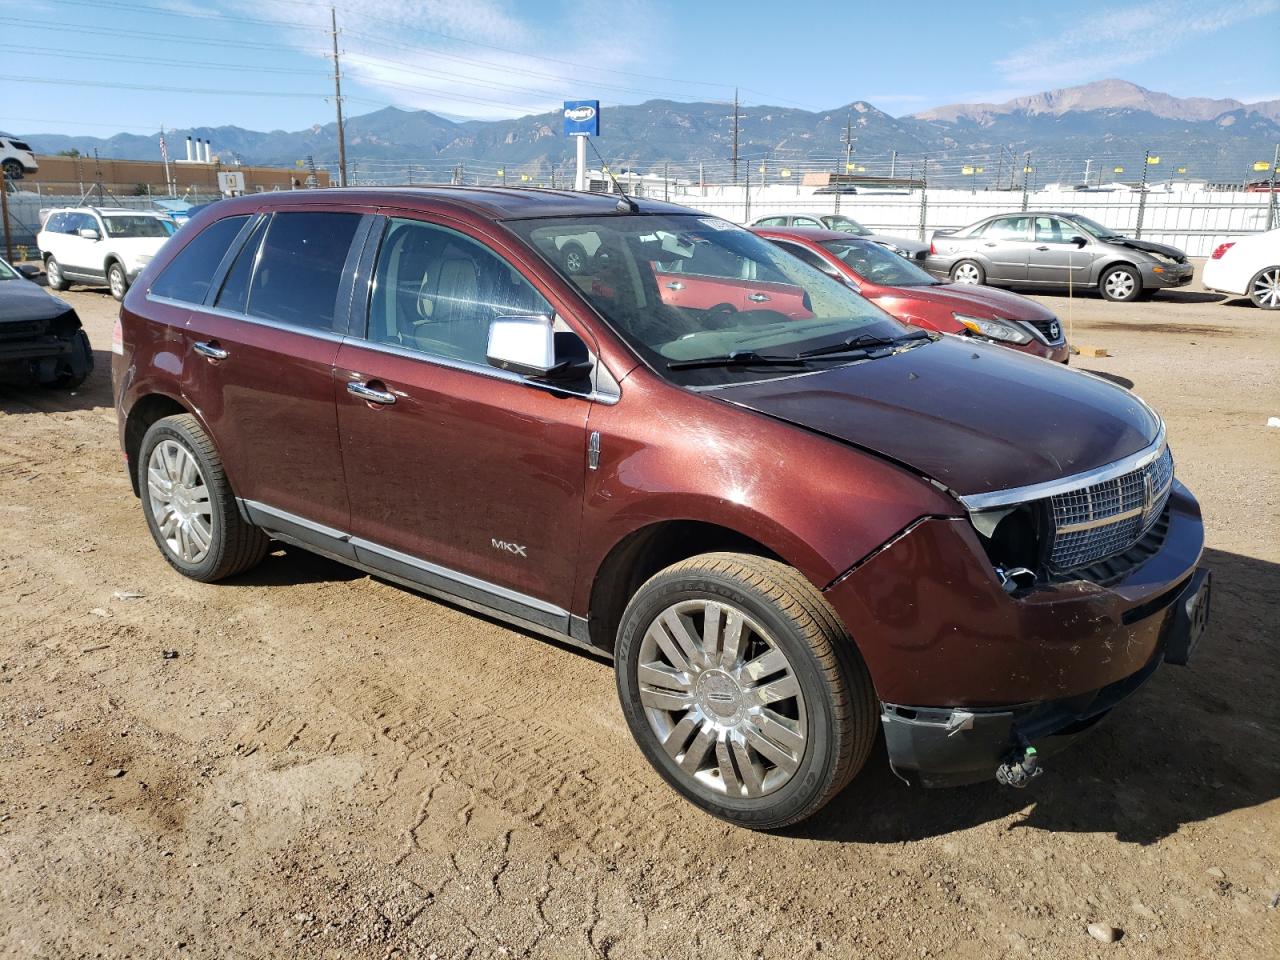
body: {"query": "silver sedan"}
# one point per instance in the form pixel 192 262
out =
pixel 1048 248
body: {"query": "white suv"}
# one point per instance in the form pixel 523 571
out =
pixel 94 244
pixel 16 158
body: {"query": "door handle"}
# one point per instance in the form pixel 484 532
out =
pixel 371 394
pixel 1042 248
pixel 211 350
pixel 989 243
pixel 675 285
pixel 758 297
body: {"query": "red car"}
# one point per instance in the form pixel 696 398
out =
pixel 906 291
pixel 794 536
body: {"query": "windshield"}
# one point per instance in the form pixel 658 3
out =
pixel 137 227
pixel 1092 226
pixel 874 263
pixel 845 225
pixel 685 287
pixel 7 272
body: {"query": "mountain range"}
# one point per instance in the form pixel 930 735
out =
pixel 1109 118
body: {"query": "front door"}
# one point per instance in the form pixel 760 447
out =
pixel 461 476
pixel 1005 245
pixel 1054 257
pixel 260 363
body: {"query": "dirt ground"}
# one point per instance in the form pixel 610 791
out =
pixel 309 762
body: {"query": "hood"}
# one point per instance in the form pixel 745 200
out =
pixel 985 302
pixel 22 300
pixel 977 418
pixel 906 243
pixel 1146 245
pixel 137 246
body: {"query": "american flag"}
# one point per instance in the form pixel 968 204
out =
pixel 164 149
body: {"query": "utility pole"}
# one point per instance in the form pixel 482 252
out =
pixel 337 99
pixel 893 165
pixel 735 135
pixel 1026 179
pixel 848 140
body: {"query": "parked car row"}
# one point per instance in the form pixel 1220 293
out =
pixel 794 522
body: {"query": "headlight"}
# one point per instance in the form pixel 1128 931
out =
pixel 1001 331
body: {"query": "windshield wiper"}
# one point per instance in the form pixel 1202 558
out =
pixel 862 343
pixel 749 358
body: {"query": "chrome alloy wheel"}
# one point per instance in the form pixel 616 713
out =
pixel 115 277
pixel 722 698
pixel 1120 285
pixel 180 501
pixel 967 273
pixel 1265 291
pixel 53 273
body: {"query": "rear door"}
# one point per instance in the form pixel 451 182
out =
pixel 462 477
pixel 260 356
pixel 1005 246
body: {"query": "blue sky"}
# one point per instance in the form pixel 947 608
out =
pixel 96 67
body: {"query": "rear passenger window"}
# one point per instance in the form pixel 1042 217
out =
pixel 437 291
pixel 234 295
pixel 300 268
pixel 188 275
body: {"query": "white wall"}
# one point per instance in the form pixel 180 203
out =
pixel 1194 221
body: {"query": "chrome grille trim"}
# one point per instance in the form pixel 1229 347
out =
pixel 1106 518
pixel 1041 491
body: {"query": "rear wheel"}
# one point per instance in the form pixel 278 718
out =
pixel 12 169
pixel 189 505
pixel 968 271
pixel 1264 288
pixel 575 258
pixel 117 280
pixel 53 275
pixel 1121 284
pixel 743 690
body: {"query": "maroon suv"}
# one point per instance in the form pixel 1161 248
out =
pixel 790 532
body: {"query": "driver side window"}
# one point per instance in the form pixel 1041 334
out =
pixel 437 291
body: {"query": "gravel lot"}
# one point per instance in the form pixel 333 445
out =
pixel 309 762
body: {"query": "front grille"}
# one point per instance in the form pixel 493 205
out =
pixel 1107 518
pixel 1050 329
pixel 23 329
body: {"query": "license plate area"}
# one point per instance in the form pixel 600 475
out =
pixel 1191 619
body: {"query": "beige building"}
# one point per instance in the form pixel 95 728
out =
pixel 75 175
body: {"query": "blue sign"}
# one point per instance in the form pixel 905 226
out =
pixel 582 118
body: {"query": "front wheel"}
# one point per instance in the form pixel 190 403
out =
pixel 743 690
pixel 117 280
pixel 1264 289
pixel 53 275
pixel 968 271
pixel 190 508
pixel 1121 284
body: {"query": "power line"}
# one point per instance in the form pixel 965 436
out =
pixel 45 54
pixel 160 89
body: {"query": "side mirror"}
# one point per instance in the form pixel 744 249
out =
pixel 1079 241
pixel 89 233
pixel 28 270
pixel 530 347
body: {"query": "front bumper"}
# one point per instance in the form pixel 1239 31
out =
pixel 941 747
pixel 1057 352
pixel 1168 275
pixel 40 359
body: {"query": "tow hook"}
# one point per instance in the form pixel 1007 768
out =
pixel 1021 768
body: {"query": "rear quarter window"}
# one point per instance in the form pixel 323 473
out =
pixel 188 275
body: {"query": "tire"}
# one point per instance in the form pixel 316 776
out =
pixel 13 170
pixel 1120 284
pixel 574 257
pixel 225 544
pixel 968 271
pixel 117 280
pixel 1264 288
pixel 53 275
pixel 79 365
pixel 822 717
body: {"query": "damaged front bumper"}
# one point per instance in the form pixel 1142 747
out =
pixel 942 747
